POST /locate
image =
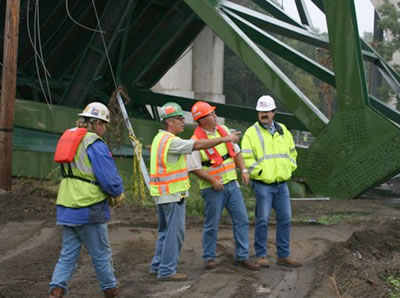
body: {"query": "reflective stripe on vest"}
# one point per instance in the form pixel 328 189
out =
pixel 164 178
pixel 222 169
pixel 224 172
pixel 80 162
pixel 75 193
pixel 266 156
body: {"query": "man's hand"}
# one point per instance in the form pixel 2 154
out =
pixel 217 185
pixel 233 137
pixel 245 178
pixel 117 201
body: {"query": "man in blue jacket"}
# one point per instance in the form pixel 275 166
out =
pixel 91 184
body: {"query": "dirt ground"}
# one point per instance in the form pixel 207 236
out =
pixel 350 258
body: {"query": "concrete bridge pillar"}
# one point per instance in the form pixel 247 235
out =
pixel 198 73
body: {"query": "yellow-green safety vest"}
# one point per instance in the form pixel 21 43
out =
pixel 269 158
pixel 76 193
pixel 226 172
pixel 166 178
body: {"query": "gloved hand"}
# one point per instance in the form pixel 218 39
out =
pixel 117 201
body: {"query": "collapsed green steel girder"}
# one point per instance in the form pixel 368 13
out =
pixel 143 96
pixel 280 48
pixel 283 89
pixel 355 150
pixel 358 148
pixel 337 164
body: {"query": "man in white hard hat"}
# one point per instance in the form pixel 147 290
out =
pixel 88 187
pixel 269 153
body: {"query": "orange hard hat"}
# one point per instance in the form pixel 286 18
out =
pixel 201 109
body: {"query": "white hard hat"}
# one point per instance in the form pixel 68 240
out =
pixel 96 110
pixel 265 103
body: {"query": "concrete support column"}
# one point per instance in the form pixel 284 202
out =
pixel 208 67
pixel 178 80
pixel 199 73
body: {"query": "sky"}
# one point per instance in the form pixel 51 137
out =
pixel 364 12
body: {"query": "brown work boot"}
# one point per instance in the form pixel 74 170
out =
pixel 175 277
pixel 56 292
pixel 288 262
pixel 263 261
pixel 247 264
pixel 111 293
pixel 210 264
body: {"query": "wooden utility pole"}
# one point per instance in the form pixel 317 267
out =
pixel 8 89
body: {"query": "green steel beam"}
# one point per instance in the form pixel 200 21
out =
pixel 303 13
pixel 390 79
pixel 173 53
pixel 276 11
pixel 60 42
pixel 142 96
pixel 94 59
pixel 273 25
pixel 319 4
pixel 167 45
pixel 280 85
pixel 49 19
pixel 123 43
pixel 279 48
pixel 386 110
pixel 160 38
pixel 358 148
pixel 346 54
pixel 53 83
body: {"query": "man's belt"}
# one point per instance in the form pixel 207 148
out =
pixel 270 184
pixel 209 164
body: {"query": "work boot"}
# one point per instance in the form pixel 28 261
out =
pixel 175 277
pixel 263 261
pixel 111 293
pixel 288 262
pixel 56 292
pixel 210 264
pixel 247 264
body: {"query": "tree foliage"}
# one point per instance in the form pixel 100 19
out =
pixel 390 23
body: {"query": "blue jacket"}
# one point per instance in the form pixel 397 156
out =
pixel 109 181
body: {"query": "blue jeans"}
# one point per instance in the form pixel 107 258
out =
pixel 95 239
pixel 277 197
pixel 171 233
pixel 232 199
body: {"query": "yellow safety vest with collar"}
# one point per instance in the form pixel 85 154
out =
pixel 75 193
pixel 166 178
pixel 269 158
pixel 226 172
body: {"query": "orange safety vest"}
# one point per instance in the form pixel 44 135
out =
pixel 213 155
pixel 68 144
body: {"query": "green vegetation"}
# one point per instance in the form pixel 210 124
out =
pixel 394 283
pixel 194 204
pixel 389 23
pixel 331 219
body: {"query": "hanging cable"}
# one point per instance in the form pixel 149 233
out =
pixel 138 163
pixel 79 24
pixel 37 56
pixel 104 44
pixel 30 37
pixel 46 75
